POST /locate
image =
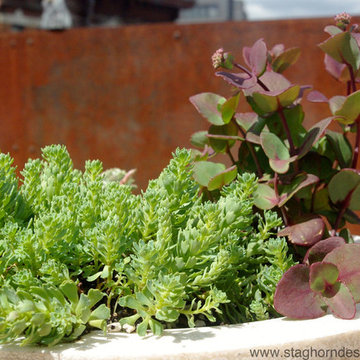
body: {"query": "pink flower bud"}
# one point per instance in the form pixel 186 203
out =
pixel 343 18
pixel 217 58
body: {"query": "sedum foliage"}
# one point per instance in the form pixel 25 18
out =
pixel 77 251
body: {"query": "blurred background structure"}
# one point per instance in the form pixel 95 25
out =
pixel 57 14
pixel 212 11
pixel 20 14
pixel 120 93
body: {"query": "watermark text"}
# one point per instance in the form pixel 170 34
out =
pixel 310 353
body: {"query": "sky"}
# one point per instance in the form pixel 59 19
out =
pixel 283 9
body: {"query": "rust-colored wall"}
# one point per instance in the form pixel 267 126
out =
pixel 121 95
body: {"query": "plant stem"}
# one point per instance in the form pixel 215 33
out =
pixel 287 130
pixel 352 78
pixel 252 151
pixel 245 70
pixel 338 219
pixel 357 144
pixel 208 193
pixel 276 189
pixel 341 213
pixel 348 88
pixel 230 154
pixel 313 197
pixel 276 181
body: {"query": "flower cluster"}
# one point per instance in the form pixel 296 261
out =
pixel 342 20
pixel 218 58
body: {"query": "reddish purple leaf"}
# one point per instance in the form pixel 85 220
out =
pixel 294 298
pixel 342 304
pixel 305 234
pixel 333 67
pixel 313 136
pixel 258 57
pixel 301 92
pixel 308 179
pixel 273 81
pixel 346 258
pixel 246 55
pixel 241 81
pixel 317 252
pixel 317 96
pixel 279 165
pixel 356 36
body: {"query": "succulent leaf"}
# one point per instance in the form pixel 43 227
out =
pixel 276 151
pixel 223 178
pixel 204 171
pixel 313 136
pixel 207 105
pixel 323 276
pixel 285 59
pixel 344 187
pixel 306 233
pixel 228 108
pixel 199 139
pixel 257 57
pixel 341 147
pixel 219 144
pixel 346 258
pixel 342 47
pixel 271 101
pixel 294 298
pixel 318 251
pixel 341 304
pixel 239 80
pixel 349 111
pixel 265 197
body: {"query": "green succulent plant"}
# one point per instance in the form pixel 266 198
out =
pixel 77 252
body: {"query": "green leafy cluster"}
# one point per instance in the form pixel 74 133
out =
pixel 77 251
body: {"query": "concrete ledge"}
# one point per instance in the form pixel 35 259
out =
pixel 324 338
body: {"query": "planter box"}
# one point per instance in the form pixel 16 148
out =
pixel 326 338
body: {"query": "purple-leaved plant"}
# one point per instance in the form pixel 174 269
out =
pixel 328 278
pixel 304 174
pixel 308 176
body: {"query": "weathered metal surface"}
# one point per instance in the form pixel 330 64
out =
pixel 121 95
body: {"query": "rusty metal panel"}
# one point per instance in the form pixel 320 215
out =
pixel 121 94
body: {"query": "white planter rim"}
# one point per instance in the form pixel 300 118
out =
pixel 326 337
pixel 327 333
